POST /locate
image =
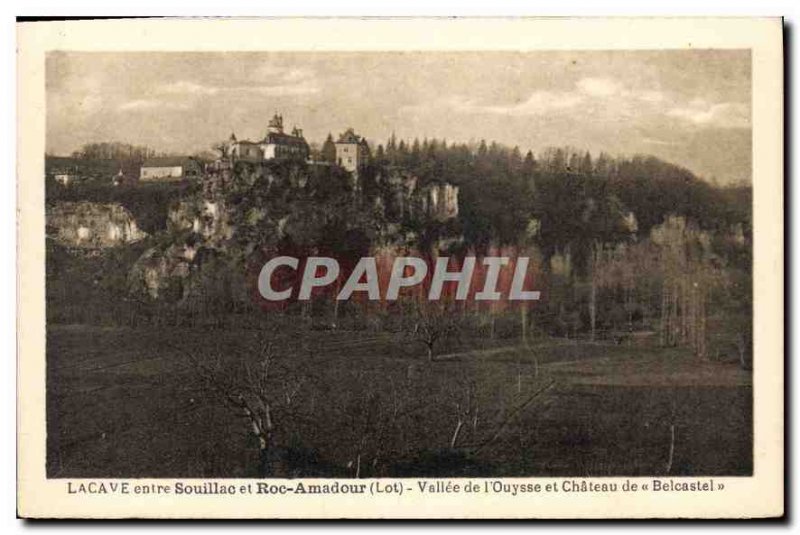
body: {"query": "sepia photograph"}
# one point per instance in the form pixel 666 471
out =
pixel 623 176
pixel 322 270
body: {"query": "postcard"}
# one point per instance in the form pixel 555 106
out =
pixel 400 268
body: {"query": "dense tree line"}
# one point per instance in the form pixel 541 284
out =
pixel 576 198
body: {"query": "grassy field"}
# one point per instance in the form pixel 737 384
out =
pixel 131 403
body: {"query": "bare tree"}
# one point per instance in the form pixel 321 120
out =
pixel 263 390
pixel 222 148
pixel 464 400
pixel 430 323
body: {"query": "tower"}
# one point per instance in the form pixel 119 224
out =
pixel 275 125
pixel 352 151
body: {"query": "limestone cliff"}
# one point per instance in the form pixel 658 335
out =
pixel 160 272
pixel 440 201
pixel 239 210
pixel 91 226
pixel 405 196
pixel 207 217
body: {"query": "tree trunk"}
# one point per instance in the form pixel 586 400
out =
pixel 673 330
pixel 457 431
pixel 593 307
pixel 335 312
pixel 671 449
pixel 593 292
pixel 701 335
pixel 664 315
pixel 524 320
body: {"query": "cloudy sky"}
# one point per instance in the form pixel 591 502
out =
pixel 689 107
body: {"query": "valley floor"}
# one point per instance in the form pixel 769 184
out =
pixel 126 403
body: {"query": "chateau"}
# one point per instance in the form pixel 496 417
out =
pixel 404 196
pixel 276 145
pixel 352 150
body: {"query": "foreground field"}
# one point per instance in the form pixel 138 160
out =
pixel 131 403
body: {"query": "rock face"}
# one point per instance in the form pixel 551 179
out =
pixel 206 217
pixel 214 226
pixel 92 226
pixel 161 271
pixel 440 201
pixel 399 191
pixel 407 198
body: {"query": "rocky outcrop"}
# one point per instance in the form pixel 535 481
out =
pixel 160 273
pixel 199 226
pixel 400 186
pixel 405 196
pixel 206 217
pixel 440 201
pixel 217 222
pixel 92 226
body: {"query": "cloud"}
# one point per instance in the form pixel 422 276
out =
pixel 182 94
pixel 649 96
pixel 283 81
pixel 605 99
pixel 659 142
pixel 541 102
pixel 599 87
pixel 295 75
pixel 294 82
pixel 605 88
pixel 138 104
pixel 91 103
pixel 304 88
pixel 184 87
pixel 149 104
pixel 538 103
pixel 721 115
pixel 269 72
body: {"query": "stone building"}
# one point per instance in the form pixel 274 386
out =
pixel 276 145
pixel 168 169
pixel 352 151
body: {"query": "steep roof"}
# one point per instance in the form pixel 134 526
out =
pixel 284 139
pixel 349 136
